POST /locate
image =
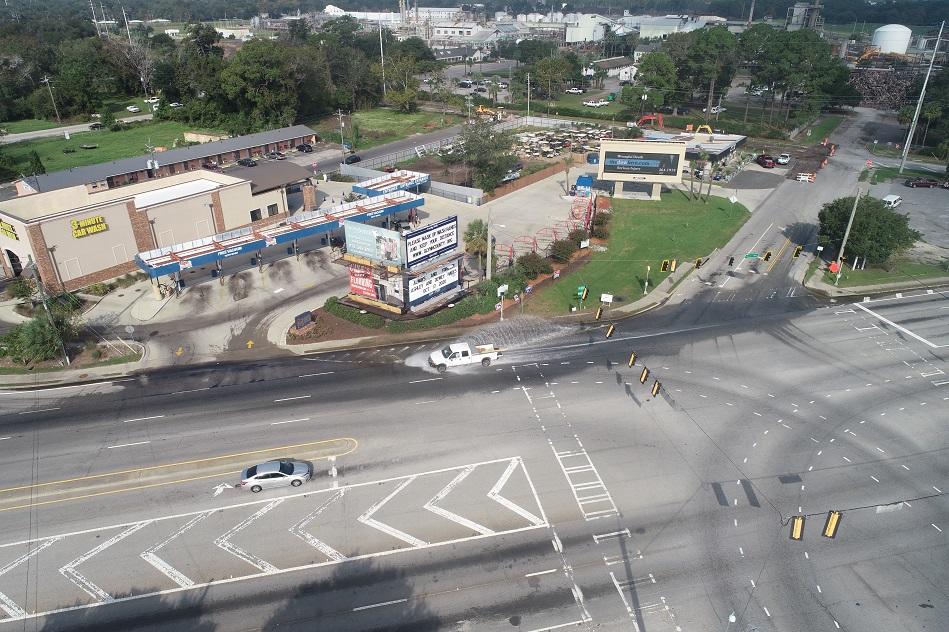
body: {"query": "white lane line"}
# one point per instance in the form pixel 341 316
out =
pixel 41 410
pixel 933 525
pixel 315 374
pixel 904 467
pixel 766 611
pixel 299 529
pixel 194 390
pixel 431 379
pixel 224 541
pixel 170 571
pixel 288 399
pixel 379 605
pixel 128 421
pixel 899 327
pixel 611 534
pixel 427 401
pixel 7 604
pixel 937 489
pixel 289 421
pixel 69 570
pixel 450 515
pixel 367 519
pixel 126 445
pixel 875 479
pixel 547 572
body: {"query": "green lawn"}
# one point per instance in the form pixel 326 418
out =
pixel 382 125
pixel 28 125
pixel 892 152
pixel 898 270
pixel 822 130
pixel 643 233
pixel 129 142
pixel 575 101
pixel 882 174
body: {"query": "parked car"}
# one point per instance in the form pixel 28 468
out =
pixel 464 83
pixel 247 162
pixel 389 168
pixel 95 126
pixel 574 90
pixel 175 104
pixel 353 159
pixel 922 183
pixel 716 109
pixel 599 103
pixel 151 100
pixel 275 474
pixel 306 148
pixel 209 165
pixel 784 159
pixel 503 85
pixel 480 89
pixel 510 176
pixel 276 155
pixel 765 161
pixel 133 108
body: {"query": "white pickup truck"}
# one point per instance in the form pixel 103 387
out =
pixel 460 354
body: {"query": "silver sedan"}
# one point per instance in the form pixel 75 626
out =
pixel 275 474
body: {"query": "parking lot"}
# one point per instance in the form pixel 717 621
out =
pixel 928 209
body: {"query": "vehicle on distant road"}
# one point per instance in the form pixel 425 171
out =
pixel 574 90
pixel 351 160
pixel 133 108
pixel 716 109
pixel 765 161
pixel 151 100
pixel 460 354
pixel 480 89
pixel 275 474
pixel 175 104
pixel 503 85
pixel 923 183
pixel 247 162
pixel 783 159
pixel 95 126
pixel 510 176
pixel 464 84
pixel 599 103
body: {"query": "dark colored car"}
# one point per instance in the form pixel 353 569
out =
pixel 94 126
pixel 923 183
pixel 247 162
pixel 766 161
pixel 389 169
pixel 480 89
pixel 306 148
pixel 351 160
pixel 211 166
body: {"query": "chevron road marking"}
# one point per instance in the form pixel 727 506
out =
pixel 368 520
pixel 450 515
pixel 69 570
pixel 224 541
pixel 173 574
pixel 8 604
pixel 299 529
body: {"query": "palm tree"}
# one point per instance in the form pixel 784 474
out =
pixel 692 179
pixel 567 161
pixel 476 240
pixel 931 111
pixel 703 158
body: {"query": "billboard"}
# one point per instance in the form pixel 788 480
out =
pixel 373 243
pixel 430 242
pixel 641 161
pixel 360 280
pixel 437 281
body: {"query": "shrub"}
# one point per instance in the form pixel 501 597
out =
pixel 533 265
pixel 334 307
pixel 97 354
pixel 99 289
pixel 562 249
pixel 600 232
pixel 22 289
pixel 577 235
pixel 468 306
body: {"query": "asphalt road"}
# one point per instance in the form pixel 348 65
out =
pixel 59 131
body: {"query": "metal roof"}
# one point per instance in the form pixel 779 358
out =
pixel 97 173
pixel 270 174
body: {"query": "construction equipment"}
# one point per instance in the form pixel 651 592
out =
pixel 483 110
pixel 703 128
pixel 655 119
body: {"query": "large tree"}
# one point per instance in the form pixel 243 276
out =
pixel 712 61
pixel 488 152
pixel 877 233
pixel 257 80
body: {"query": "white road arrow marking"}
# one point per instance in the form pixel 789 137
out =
pixel 225 540
pixel 299 530
pixel 174 574
pixel 219 489
pixel 367 518
pixel 7 604
pixel 449 515
pixel 69 570
pixel 495 495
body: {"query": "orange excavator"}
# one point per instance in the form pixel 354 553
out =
pixel 656 120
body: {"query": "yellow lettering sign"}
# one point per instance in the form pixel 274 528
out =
pixel 8 230
pixel 88 226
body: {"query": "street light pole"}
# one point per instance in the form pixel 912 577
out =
pixel 919 103
pixel 646 284
pixel 490 250
pixel 840 255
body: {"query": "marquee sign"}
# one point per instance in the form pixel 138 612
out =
pixel 431 242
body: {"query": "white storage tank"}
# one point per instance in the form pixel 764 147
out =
pixel 892 38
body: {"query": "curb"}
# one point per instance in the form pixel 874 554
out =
pixel 126 369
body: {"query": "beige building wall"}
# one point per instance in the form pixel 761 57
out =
pixel 13 238
pixel 80 247
pixel 237 208
pixel 182 220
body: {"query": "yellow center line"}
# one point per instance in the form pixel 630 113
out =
pixel 355 444
pixel 787 242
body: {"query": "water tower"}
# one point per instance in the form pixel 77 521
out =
pixel 892 38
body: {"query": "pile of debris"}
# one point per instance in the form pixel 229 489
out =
pixel 882 88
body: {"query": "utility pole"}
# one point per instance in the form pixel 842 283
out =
pixel 45 80
pixel 342 141
pixel 490 250
pixel 49 315
pixel 919 103
pixel 528 95
pixel 843 244
pixel 127 29
pixel 382 56
pixel 94 20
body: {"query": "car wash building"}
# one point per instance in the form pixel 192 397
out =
pixel 411 272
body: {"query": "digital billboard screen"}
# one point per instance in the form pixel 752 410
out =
pixel 641 163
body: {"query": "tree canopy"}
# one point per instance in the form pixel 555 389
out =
pixel 877 233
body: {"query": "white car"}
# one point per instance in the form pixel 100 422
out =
pixel 600 103
pixel 133 109
pixel 151 100
pixel 783 159
pixel 574 90
pixel 175 105
pixel 511 176
pixel 716 109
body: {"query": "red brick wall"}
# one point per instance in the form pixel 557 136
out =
pixel 520 183
pixel 217 211
pixel 144 240
pixel 44 263
pixel 101 276
pixel 309 197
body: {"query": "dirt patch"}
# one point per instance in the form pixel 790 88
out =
pixel 325 327
pixel 316 260
pixel 928 253
pixel 440 172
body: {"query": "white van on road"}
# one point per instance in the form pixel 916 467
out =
pixel 892 201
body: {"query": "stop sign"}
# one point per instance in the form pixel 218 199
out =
pixel 834 267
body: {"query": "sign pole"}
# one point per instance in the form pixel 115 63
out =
pixel 840 255
pixel 646 284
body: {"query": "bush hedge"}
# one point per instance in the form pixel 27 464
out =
pixel 533 265
pixel 370 320
pixel 562 249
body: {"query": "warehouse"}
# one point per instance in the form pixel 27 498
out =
pixel 78 236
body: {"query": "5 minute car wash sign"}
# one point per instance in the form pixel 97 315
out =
pixel 88 226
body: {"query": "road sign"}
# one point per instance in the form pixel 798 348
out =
pixel 556 274
pixel 752 255
pixel 502 289
pixel 497 306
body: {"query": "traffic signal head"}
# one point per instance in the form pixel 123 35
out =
pixel 655 388
pixel 610 330
pixel 644 375
pixel 583 295
pixel 665 265
pixel 672 266
pixel 632 359
pixel 797 527
pixel 599 312
pixel 698 263
pixel 797 251
pixel 767 256
pixel 832 524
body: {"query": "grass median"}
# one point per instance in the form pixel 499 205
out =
pixel 899 270
pixel 821 130
pixel 644 233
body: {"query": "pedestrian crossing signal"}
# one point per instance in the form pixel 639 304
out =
pixel 610 330
pixel 832 524
pixel 665 265
pixel 698 263
pixel 599 312
pixel 632 359
pixel 644 375
pixel 797 527
pixel 731 261
pixel 798 251
pixel 655 388
pixel 767 256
